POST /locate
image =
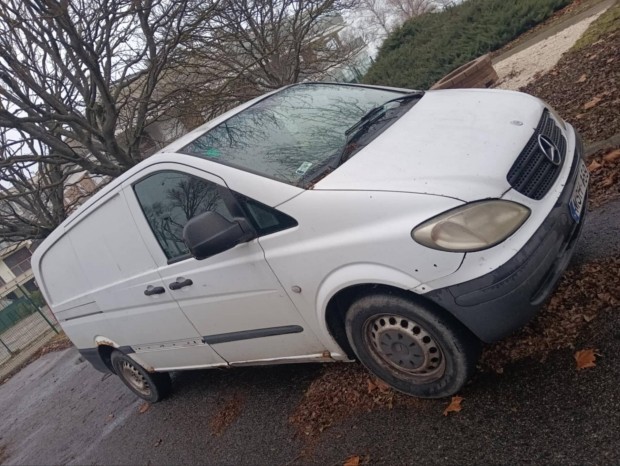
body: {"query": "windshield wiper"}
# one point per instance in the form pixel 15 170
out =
pixel 361 126
pixel 375 113
pixel 371 117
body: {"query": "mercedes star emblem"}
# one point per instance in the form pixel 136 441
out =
pixel 550 150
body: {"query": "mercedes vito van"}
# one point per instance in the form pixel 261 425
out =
pixel 325 222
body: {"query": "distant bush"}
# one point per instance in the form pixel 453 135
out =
pixel 428 47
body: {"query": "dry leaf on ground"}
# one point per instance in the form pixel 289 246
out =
pixel 594 165
pixel 58 343
pixel 382 386
pixel 454 406
pixel 592 103
pixel 144 407
pixel 352 461
pixel 609 181
pixel 584 291
pixel 230 409
pixel 582 79
pixel 371 386
pixel 604 170
pixel 158 442
pixel 567 95
pixel 612 156
pixel 337 393
pixel 585 358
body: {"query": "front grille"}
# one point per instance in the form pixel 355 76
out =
pixel 533 173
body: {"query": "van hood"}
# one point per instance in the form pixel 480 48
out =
pixel 454 143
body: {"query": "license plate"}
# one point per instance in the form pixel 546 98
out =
pixel 579 192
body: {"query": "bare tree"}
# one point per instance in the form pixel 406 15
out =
pixel 380 17
pixel 261 45
pixel 33 197
pixel 84 77
pixel 87 85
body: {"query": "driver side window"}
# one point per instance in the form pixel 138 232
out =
pixel 169 199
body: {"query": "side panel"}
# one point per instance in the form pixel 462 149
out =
pixel 96 279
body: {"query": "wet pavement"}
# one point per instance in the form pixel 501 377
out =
pixel 59 410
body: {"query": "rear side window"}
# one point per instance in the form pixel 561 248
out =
pixel 170 199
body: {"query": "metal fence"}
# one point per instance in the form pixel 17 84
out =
pixel 26 325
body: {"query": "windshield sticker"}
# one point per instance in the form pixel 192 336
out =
pixel 303 168
pixel 212 152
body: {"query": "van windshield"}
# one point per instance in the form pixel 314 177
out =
pixel 291 133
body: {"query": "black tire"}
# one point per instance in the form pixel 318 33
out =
pixel 414 348
pixel 150 386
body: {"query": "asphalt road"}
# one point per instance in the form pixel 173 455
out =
pixel 59 410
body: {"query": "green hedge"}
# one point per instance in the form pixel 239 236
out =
pixel 428 47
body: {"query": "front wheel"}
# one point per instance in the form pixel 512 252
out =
pixel 150 386
pixel 411 347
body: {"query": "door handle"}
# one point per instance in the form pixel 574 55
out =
pixel 180 283
pixel 151 290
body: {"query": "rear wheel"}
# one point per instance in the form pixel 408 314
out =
pixel 150 386
pixel 415 349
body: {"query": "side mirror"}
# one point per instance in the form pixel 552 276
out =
pixel 209 234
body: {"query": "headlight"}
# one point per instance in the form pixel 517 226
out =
pixel 472 227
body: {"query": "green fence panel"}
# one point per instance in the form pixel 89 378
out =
pixel 18 309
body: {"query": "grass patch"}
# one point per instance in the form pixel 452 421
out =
pixel 606 23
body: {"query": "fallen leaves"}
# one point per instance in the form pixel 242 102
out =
pixel 376 384
pixel 352 461
pixel 340 391
pixel 454 406
pixel 604 168
pixel 58 343
pixel 228 413
pixel 594 165
pixel 592 103
pixel 585 89
pixel 583 292
pixel 609 181
pixel 144 407
pixel 586 358
pixel 612 156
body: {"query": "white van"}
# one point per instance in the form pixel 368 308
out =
pixel 325 222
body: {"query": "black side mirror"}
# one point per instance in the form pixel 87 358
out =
pixel 209 234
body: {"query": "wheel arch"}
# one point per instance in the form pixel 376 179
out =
pixel 342 300
pixel 105 348
pixel 105 353
pixel 341 287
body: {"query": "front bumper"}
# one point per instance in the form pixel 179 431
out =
pixel 498 303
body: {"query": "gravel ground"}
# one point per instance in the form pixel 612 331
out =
pixel 519 69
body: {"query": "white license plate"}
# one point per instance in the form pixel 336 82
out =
pixel 579 192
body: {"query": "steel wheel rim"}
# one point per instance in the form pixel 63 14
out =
pixel 135 379
pixel 405 346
